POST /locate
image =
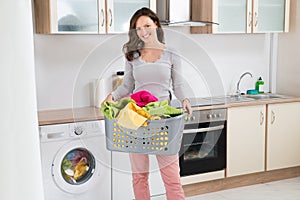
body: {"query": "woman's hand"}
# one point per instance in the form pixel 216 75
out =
pixel 186 106
pixel 109 98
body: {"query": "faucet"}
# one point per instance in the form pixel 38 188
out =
pixel 238 92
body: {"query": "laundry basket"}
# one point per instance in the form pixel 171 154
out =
pixel 159 137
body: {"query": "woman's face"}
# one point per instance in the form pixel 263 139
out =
pixel 146 29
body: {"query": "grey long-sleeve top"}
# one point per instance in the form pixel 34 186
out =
pixel 158 78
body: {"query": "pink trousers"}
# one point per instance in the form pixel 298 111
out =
pixel 169 170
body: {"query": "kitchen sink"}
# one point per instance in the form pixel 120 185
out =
pixel 266 96
pixel 237 99
pixel 207 101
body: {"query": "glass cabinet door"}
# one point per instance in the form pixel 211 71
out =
pixel 120 11
pixel 269 16
pixel 75 16
pixel 232 16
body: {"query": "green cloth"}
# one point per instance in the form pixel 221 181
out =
pixel 66 164
pixel 162 108
pixel 112 109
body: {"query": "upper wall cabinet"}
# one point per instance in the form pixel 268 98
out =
pixel 242 16
pixel 86 16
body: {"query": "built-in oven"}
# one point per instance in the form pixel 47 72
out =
pixel 203 147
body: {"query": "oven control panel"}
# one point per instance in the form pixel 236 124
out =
pixel 200 116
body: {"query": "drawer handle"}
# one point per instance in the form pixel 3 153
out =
pixel 272 117
pixel 256 19
pixel 111 17
pixel 250 19
pixel 103 18
pixel 262 118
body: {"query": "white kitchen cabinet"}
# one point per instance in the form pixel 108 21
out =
pixel 245 140
pixel 283 135
pixel 122 181
pixel 119 13
pixel 232 16
pixel 270 16
pixel 251 16
pixel 86 16
pixel 243 16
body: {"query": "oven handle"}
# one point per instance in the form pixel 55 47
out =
pixel 200 130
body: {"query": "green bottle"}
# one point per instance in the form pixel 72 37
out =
pixel 259 85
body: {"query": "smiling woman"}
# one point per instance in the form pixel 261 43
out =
pixel 154 67
pixel 143 24
pixel 146 31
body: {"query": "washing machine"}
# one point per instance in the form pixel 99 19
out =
pixel 75 162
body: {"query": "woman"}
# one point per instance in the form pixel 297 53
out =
pixel 156 68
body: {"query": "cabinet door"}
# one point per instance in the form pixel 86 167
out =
pixel 269 16
pixel 74 16
pixel 283 135
pixel 119 13
pixel 233 16
pixel 245 140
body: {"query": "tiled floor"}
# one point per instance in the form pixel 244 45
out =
pixel 288 189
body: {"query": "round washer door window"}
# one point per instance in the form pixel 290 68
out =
pixel 77 166
pixel 74 168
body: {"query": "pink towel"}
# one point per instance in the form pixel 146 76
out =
pixel 143 97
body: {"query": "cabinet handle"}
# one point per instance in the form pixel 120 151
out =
pixel 262 118
pixel 256 19
pixel 272 117
pixel 250 19
pixel 111 17
pixel 103 19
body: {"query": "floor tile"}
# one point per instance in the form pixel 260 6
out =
pixel 210 196
pixel 288 189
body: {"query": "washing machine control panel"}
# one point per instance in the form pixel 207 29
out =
pixel 72 130
pixel 87 128
pixel 78 130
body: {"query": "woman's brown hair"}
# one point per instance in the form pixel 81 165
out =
pixel 132 48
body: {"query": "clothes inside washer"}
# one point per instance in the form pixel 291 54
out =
pixel 75 166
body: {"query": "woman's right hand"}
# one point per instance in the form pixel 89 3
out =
pixel 109 98
pixel 186 105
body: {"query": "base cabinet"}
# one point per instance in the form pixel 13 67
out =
pixel 245 140
pixel 283 135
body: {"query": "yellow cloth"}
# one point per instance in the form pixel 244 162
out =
pixel 132 116
pixel 80 169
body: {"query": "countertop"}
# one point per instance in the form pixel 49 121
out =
pixel 59 116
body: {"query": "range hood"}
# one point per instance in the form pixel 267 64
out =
pixel 177 13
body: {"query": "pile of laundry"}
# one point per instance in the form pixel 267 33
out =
pixel 133 111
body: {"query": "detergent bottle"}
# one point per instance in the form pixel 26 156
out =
pixel 259 85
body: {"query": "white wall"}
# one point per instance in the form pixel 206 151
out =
pixel 288 72
pixel 61 60
pixel 20 167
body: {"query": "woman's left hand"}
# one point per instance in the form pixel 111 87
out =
pixel 186 106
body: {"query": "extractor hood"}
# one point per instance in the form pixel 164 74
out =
pixel 177 13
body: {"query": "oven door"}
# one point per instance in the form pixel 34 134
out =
pixel 203 148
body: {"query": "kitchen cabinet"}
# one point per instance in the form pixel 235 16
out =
pixel 245 140
pixel 243 16
pixel 86 16
pixel 122 181
pixel 283 135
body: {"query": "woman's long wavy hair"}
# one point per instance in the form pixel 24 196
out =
pixel 132 48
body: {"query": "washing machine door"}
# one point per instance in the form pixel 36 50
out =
pixel 74 168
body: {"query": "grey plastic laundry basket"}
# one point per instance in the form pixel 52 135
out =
pixel 159 137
